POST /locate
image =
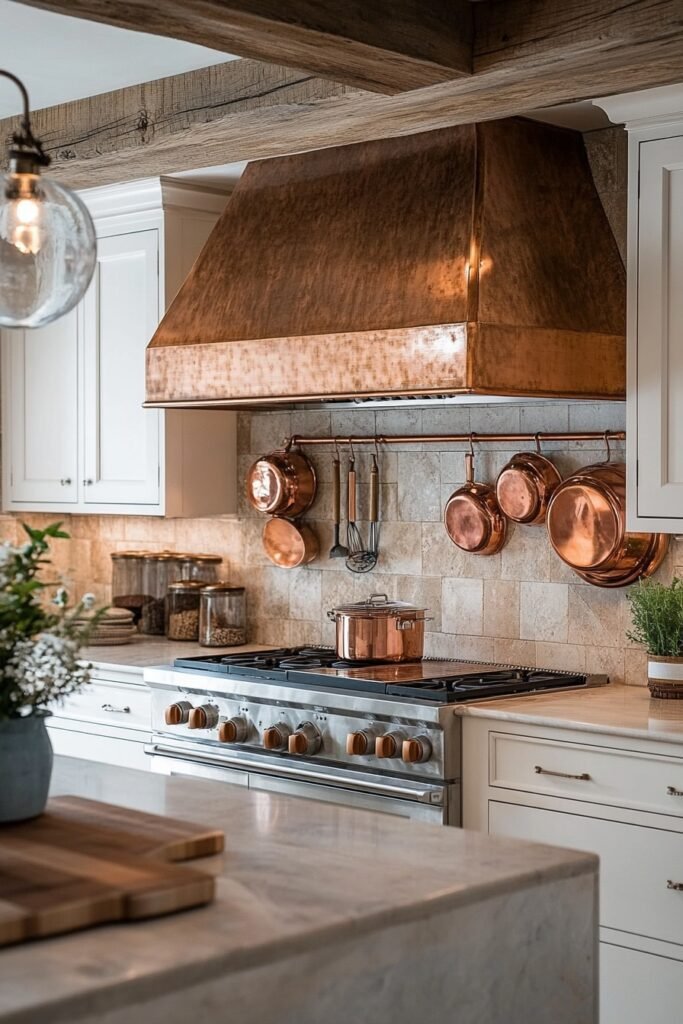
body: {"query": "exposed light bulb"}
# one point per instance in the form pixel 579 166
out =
pixel 47 237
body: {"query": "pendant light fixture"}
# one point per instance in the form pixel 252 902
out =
pixel 47 237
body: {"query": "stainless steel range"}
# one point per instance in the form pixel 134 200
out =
pixel 300 721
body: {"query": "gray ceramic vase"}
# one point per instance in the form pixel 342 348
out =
pixel 25 767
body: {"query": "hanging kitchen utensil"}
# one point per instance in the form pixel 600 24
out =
pixel 354 540
pixel 472 516
pixel 525 486
pixel 289 544
pixel 281 484
pixel 366 560
pixel 337 550
pixel 586 522
pixel 379 630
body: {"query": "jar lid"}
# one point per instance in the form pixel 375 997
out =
pixel 128 554
pixel 163 556
pixel 218 588
pixel 180 585
pixel 377 606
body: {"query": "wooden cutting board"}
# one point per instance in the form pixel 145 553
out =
pixel 84 863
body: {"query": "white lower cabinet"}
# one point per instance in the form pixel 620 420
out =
pixel 612 796
pixel 109 720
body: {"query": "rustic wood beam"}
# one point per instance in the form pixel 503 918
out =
pixel 245 111
pixel 385 46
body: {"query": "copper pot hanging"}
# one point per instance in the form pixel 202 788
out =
pixel 281 484
pixel 289 544
pixel 472 516
pixel 525 486
pixel 586 522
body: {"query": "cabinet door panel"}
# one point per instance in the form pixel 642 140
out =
pixel 637 987
pixel 659 357
pixel 42 419
pixel 121 312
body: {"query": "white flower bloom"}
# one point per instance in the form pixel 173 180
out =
pixel 88 601
pixel 6 552
pixel 61 597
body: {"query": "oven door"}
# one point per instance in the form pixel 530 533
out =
pixel 426 801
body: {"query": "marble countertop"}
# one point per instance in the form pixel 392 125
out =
pixel 618 710
pixel 146 651
pixel 296 875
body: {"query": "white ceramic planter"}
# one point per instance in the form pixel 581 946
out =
pixel 665 676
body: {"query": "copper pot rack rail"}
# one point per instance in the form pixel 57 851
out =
pixel 299 440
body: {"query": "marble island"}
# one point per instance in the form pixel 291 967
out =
pixel 324 913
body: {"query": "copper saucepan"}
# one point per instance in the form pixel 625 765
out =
pixel 525 486
pixel 472 516
pixel 281 484
pixel 289 544
pixel 586 523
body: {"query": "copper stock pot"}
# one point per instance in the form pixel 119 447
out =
pixel 379 630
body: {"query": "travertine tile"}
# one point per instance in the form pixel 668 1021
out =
pixel 419 487
pixel 424 592
pixel 595 617
pixel 606 660
pixel 400 549
pixel 305 593
pixel 501 608
pixel 302 632
pixel 544 612
pixel 468 648
pixel 527 554
pixel 635 667
pixel 268 431
pixel 399 421
pixel 567 657
pixel 515 652
pixel 462 606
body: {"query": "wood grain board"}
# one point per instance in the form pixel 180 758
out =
pixel 84 863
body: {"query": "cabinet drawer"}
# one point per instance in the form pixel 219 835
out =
pixel 635 864
pixel 91 747
pixel 580 772
pixel 109 703
pixel 637 987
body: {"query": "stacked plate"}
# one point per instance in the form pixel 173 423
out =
pixel 114 627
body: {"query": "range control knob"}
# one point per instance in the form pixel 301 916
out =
pixel 204 717
pixel 360 744
pixel 417 750
pixel 275 737
pixel 178 713
pixel 389 745
pixel 233 731
pixel 306 739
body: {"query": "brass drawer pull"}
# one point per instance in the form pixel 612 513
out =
pixel 672 791
pixel 117 711
pixel 677 886
pixel 583 777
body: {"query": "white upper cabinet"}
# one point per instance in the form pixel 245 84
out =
pixel 75 432
pixel 654 121
pixel 40 428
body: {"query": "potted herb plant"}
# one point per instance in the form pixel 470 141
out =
pixel 40 641
pixel 657 616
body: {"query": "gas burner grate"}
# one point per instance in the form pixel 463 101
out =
pixel 506 683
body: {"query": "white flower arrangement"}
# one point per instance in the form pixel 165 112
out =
pixel 39 647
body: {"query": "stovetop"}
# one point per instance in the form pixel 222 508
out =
pixel 440 681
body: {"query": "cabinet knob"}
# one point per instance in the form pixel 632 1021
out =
pixel 233 731
pixel 177 714
pixel 87 483
pixel 66 481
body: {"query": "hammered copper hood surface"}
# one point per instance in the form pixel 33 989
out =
pixel 476 259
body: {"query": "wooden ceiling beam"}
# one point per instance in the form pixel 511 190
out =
pixel 243 110
pixel 385 46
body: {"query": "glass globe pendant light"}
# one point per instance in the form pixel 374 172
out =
pixel 47 237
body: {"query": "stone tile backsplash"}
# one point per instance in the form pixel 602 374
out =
pixel 521 606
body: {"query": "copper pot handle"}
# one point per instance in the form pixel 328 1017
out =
pixel 469 462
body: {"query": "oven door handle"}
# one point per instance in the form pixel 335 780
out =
pixel 433 795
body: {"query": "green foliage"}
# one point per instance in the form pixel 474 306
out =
pixel 657 617
pixel 40 639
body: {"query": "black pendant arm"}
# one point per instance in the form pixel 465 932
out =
pixel 24 142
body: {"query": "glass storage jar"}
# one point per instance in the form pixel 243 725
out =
pixel 126 581
pixel 159 569
pixel 200 567
pixel 222 616
pixel 182 609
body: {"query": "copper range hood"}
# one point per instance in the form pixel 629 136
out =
pixel 473 260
